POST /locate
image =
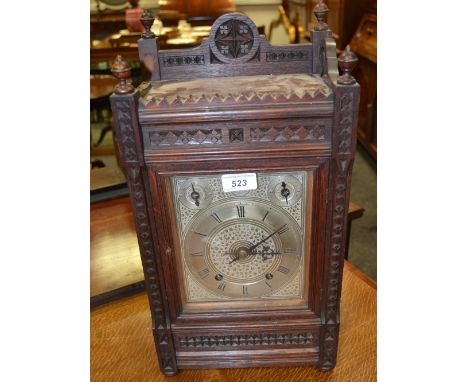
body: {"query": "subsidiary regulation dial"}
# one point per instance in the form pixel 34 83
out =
pixel 195 193
pixel 284 190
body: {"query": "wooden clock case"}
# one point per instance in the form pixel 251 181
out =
pixel 160 137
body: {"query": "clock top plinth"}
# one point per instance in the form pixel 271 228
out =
pixel 234 91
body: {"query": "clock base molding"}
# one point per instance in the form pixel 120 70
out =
pixel 248 358
pixel 238 157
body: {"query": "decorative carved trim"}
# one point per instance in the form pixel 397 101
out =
pixel 227 91
pixel 127 150
pixel 234 38
pixel 338 239
pixel 198 59
pixel 182 138
pixel 341 169
pixel 142 225
pixel 296 55
pixel 345 124
pixel 236 135
pixel 127 137
pixel 315 132
pixel 244 340
pixel 329 346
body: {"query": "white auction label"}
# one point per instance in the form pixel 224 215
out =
pixel 239 182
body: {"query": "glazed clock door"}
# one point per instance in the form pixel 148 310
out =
pixel 245 246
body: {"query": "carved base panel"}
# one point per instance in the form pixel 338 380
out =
pixel 247 347
pixel 247 358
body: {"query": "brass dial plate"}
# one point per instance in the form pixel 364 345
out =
pixel 242 245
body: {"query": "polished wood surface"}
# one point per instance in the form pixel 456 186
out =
pixel 122 347
pixel 115 258
pixel 107 177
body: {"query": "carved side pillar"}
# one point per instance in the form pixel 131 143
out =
pixel 124 103
pixel 344 145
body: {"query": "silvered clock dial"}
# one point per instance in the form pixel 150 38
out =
pixel 243 244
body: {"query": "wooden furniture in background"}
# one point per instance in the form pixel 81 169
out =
pixel 115 258
pixel 236 104
pixel 343 16
pixel 196 12
pixel 283 30
pixel 364 44
pixel 122 347
pixel 101 87
pixel 355 211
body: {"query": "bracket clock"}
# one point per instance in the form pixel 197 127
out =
pixel 238 157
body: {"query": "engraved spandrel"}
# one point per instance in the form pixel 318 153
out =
pixel 293 288
pixel 217 194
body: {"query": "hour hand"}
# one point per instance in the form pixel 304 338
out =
pixel 234 256
pixel 234 259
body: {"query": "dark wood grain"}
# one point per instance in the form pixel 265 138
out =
pixel 318 95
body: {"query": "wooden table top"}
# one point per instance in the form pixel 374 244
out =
pixel 122 347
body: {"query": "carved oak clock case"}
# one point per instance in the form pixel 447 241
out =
pixel 238 158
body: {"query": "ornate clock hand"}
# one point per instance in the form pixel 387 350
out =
pixel 285 191
pixel 195 196
pixel 234 259
pixel 265 239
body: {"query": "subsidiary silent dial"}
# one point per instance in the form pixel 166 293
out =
pixel 284 190
pixel 195 193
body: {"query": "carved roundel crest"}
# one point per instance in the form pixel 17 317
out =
pixel 234 38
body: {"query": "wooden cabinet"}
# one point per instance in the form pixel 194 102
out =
pixel 238 157
pixel 364 44
pixel 343 16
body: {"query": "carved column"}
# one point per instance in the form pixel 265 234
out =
pixel 124 104
pixel 344 145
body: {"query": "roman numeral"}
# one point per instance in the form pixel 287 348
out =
pixel 197 254
pixel 265 216
pixel 283 270
pixel 284 229
pixel 241 211
pixel 221 286
pixel 244 289
pixel 205 272
pixel 267 283
pixel 215 216
pixel 290 250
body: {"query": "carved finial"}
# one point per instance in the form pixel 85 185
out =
pixel 147 20
pixel 321 12
pixel 122 71
pixel 347 61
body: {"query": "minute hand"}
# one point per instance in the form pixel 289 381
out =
pixel 260 242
